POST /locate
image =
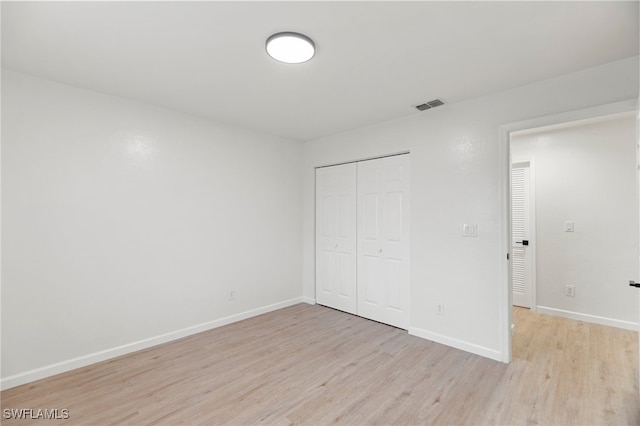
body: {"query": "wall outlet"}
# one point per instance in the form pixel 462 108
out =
pixel 568 226
pixel 440 309
pixel 232 295
pixel 470 230
pixel 570 290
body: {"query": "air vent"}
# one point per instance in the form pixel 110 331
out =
pixel 428 105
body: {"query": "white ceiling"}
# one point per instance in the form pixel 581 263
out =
pixel 374 59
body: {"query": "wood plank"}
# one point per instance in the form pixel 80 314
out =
pixel 314 365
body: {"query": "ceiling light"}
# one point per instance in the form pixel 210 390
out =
pixel 291 48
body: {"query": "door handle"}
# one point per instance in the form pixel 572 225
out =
pixel 633 284
pixel 523 242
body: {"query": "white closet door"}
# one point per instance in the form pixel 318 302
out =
pixel 383 240
pixel 521 264
pixel 336 237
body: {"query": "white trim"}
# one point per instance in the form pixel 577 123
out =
pixel 534 234
pixel 308 300
pixel 611 322
pixel 637 203
pixel 455 343
pixel 569 116
pixel 82 361
pixel 505 296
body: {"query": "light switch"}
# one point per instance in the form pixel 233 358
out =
pixel 469 230
pixel 568 226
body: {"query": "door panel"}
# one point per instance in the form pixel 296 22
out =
pixel 327 206
pixel 344 274
pixel 383 245
pixel 371 287
pixel 369 240
pixel 346 212
pixel 336 237
pixel 393 275
pixel 370 216
pixel 326 272
pixel 394 216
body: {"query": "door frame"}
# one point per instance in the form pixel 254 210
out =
pixel 531 161
pixel 504 158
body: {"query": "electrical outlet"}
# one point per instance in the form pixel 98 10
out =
pixel 470 230
pixel 440 309
pixel 232 295
pixel 570 290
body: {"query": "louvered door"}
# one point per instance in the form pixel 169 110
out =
pixel 521 265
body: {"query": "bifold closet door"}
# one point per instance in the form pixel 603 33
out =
pixel 383 240
pixel 336 237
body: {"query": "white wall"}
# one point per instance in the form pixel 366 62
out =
pixel 455 179
pixel 123 222
pixel 585 173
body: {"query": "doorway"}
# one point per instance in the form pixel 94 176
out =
pixel 562 286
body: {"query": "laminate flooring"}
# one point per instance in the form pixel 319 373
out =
pixel 314 365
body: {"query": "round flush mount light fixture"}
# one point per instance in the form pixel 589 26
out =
pixel 290 47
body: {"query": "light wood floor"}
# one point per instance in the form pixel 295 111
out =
pixel 313 365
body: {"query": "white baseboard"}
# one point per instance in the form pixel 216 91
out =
pixel 458 344
pixel 309 300
pixel 82 361
pixel 611 322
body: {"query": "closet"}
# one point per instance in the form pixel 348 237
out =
pixel 362 238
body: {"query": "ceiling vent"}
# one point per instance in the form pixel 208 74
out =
pixel 428 105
